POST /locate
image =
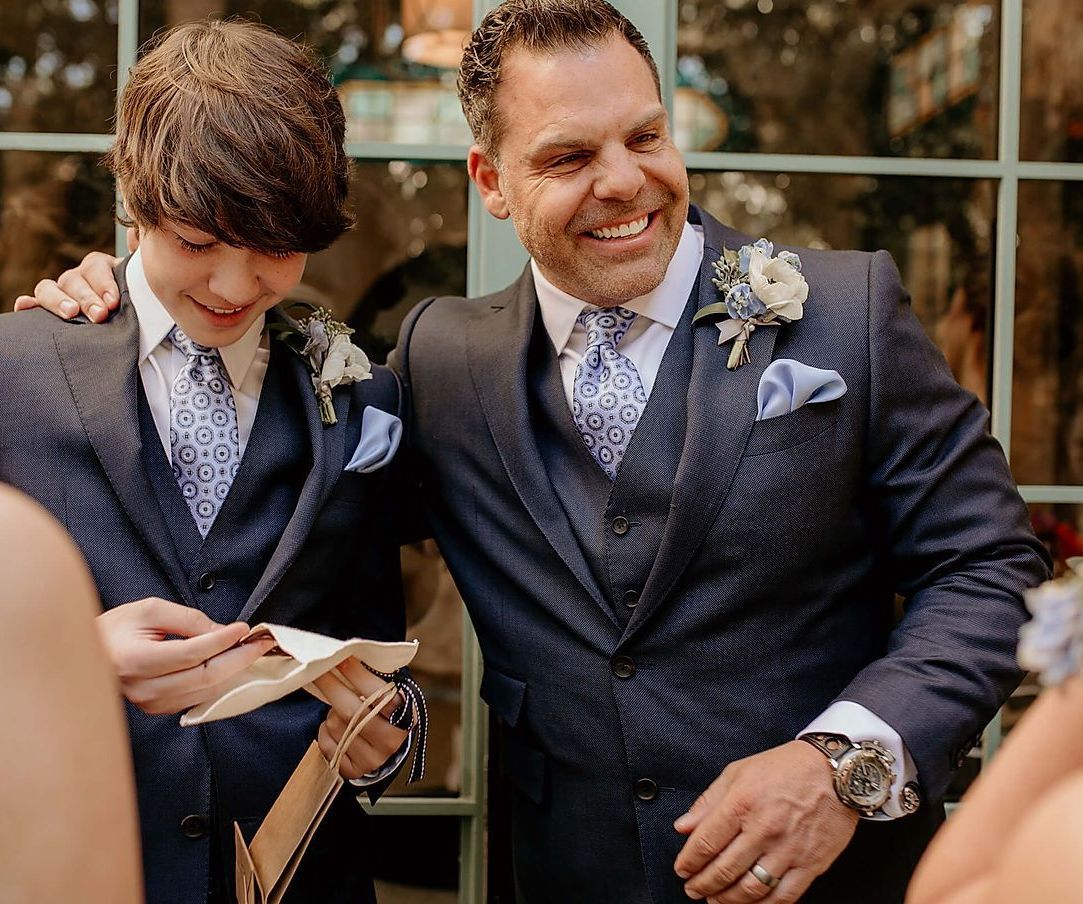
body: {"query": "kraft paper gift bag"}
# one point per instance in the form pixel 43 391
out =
pixel 265 868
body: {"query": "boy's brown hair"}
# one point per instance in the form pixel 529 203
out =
pixel 229 128
pixel 539 26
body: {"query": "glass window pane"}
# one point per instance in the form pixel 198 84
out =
pixel 58 64
pixel 1047 381
pixel 54 208
pixel 409 242
pixel 938 230
pixel 876 78
pixel 394 61
pixel 1051 118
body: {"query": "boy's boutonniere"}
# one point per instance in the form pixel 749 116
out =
pixel 757 290
pixel 324 345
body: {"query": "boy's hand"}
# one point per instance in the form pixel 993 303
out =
pixel 89 288
pixel 167 676
pixel 378 741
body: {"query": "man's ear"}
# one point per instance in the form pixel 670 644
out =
pixel 486 176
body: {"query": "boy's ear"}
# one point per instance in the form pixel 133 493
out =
pixel 485 174
pixel 131 238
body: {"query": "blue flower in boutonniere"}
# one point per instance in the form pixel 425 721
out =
pixel 323 343
pixel 757 290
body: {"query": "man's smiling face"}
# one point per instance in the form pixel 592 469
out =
pixel 587 170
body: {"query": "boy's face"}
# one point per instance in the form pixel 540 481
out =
pixel 212 290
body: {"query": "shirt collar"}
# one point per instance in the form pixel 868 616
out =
pixel 664 305
pixel 155 323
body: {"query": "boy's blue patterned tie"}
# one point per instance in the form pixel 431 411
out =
pixel 608 397
pixel 202 430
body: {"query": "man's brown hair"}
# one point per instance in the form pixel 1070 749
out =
pixel 229 128
pixel 539 26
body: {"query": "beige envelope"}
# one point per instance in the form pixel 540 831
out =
pixel 299 658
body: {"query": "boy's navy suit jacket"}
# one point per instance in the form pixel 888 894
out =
pixel 297 542
pixel 735 579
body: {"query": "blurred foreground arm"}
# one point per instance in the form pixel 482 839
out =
pixel 69 826
pixel 1018 835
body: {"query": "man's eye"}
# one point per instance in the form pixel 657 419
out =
pixel 569 160
pixel 646 138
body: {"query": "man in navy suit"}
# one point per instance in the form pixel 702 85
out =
pixel 671 586
pixel 185 452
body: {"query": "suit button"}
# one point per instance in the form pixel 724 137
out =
pixel 645 789
pixel 620 525
pixel 631 598
pixel 623 666
pixel 206 582
pixel 194 826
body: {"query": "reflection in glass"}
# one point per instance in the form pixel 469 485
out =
pixel 938 230
pixel 882 77
pixel 409 242
pixel 57 65
pixel 54 208
pixel 394 61
pixel 1051 115
pixel 1047 387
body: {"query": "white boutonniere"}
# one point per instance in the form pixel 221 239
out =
pixel 1051 644
pixel 757 290
pixel 324 345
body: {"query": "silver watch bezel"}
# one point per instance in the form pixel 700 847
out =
pixel 864 754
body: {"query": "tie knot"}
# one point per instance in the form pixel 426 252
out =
pixel 189 347
pixel 606 326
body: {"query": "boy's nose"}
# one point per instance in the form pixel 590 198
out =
pixel 236 284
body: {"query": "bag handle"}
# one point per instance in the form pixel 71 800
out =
pixel 366 712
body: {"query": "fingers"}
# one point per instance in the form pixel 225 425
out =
pixel 366 683
pixel 170 656
pixel 730 867
pixel 378 740
pixel 180 690
pixel 716 825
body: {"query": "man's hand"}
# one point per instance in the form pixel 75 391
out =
pixel 89 288
pixel 161 675
pixel 378 741
pixel 777 808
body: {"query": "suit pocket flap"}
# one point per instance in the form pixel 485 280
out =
pixel 777 434
pixel 504 695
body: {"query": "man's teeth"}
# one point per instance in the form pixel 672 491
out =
pixel 621 232
pixel 221 310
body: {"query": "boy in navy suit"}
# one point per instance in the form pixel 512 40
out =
pixel 208 486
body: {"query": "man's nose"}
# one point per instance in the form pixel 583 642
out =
pixel 620 177
pixel 236 281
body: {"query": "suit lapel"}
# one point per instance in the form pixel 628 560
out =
pixel 721 412
pixel 499 342
pixel 101 366
pixel 327 447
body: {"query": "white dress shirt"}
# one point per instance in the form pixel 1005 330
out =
pixel 245 364
pixel 645 343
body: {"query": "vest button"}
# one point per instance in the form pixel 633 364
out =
pixel 645 789
pixel 631 598
pixel 206 582
pixel 194 826
pixel 623 666
pixel 620 525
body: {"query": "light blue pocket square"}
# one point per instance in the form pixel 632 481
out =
pixel 380 435
pixel 786 385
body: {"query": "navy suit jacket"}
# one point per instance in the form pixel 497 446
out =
pixel 769 595
pixel 70 437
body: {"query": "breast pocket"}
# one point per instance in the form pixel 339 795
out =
pixel 777 434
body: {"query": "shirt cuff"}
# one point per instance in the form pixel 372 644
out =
pixel 845 717
pixel 393 763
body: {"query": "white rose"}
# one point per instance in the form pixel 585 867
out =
pixel 345 363
pixel 778 285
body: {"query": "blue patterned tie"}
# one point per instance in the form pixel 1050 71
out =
pixel 202 430
pixel 608 397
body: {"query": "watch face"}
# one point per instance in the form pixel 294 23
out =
pixel 864 781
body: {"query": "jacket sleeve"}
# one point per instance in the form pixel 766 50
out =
pixel 955 535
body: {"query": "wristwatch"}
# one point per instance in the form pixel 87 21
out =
pixel 863 773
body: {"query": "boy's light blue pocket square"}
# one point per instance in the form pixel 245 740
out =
pixel 380 435
pixel 786 385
